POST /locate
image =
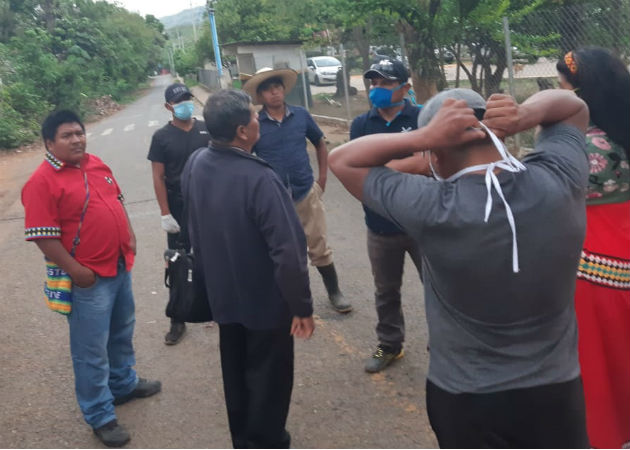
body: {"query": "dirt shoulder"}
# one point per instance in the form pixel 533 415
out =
pixel 15 167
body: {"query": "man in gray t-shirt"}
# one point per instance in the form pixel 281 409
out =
pixel 501 243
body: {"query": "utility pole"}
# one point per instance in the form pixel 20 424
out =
pixel 215 39
pixel 171 60
pixel 346 84
pixel 194 25
pixel 181 40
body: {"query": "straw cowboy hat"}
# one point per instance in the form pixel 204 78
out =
pixel 288 77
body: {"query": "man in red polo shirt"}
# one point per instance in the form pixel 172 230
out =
pixel 102 318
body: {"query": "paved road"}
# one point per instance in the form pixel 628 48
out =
pixel 335 404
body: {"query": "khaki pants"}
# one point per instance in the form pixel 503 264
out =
pixel 312 216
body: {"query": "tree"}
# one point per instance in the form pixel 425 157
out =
pixel 186 61
pixel 481 31
pixel 58 53
pixel 204 49
pixel 418 22
pixel 252 20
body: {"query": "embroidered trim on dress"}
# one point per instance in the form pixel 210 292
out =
pixel 42 232
pixel 54 162
pixel 604 270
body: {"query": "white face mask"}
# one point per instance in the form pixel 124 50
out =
pixel 508 163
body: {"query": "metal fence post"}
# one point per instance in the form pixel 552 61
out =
pixel 345 82
pixel 508 54
pixel 510 66
pixel 304 79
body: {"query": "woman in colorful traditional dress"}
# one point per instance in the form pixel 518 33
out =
pixel 602 298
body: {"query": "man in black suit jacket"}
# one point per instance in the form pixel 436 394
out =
pixel 251 250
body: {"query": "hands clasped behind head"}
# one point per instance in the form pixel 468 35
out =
pixel 455 124
pixel 502 115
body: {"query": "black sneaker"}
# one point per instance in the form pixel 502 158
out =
pixel 382 357
pixel 175 334
pixel 145 388
pixel 112 435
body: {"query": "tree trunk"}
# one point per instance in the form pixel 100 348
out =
pixel 493 79
pixel 360 34
pixel 426 76
pixel 470 75
pixel 476 82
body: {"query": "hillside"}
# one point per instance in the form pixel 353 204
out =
pixel 184 18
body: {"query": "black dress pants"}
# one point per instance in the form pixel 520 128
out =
pixel 548 416
pixel 181 239
pixel 257 368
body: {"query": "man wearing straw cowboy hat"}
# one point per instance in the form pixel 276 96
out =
pixel 283 132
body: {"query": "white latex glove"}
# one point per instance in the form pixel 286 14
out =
pixel 169 224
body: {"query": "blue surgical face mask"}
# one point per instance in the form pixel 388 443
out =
pixel 183 110
pixel 382 97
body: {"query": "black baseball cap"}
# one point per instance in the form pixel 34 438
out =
pixel 176 92
pixel 390 69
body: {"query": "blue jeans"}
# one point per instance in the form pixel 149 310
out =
pixel 101 332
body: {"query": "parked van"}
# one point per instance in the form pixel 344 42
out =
pixel 322 69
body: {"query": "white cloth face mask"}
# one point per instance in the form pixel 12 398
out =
pixel 508 163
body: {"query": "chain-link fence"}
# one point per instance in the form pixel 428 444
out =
pixel 549 33
pixel 337 87
pixel 514 54
pixel 209 78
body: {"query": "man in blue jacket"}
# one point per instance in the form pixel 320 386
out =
pixel 251 251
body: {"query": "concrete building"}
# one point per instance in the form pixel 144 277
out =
pixel 254 55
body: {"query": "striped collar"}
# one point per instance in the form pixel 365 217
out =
pixel 53 161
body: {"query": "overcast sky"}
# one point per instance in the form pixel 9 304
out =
pixel 159 8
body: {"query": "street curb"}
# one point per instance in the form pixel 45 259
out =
pixel 332 120
pixel 200 94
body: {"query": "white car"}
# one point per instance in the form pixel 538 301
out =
pixel 322 69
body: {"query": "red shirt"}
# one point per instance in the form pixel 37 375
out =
pixel 53 198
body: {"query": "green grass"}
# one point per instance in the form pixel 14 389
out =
pixel 323 97
pixel 190 81
pixel 134 94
